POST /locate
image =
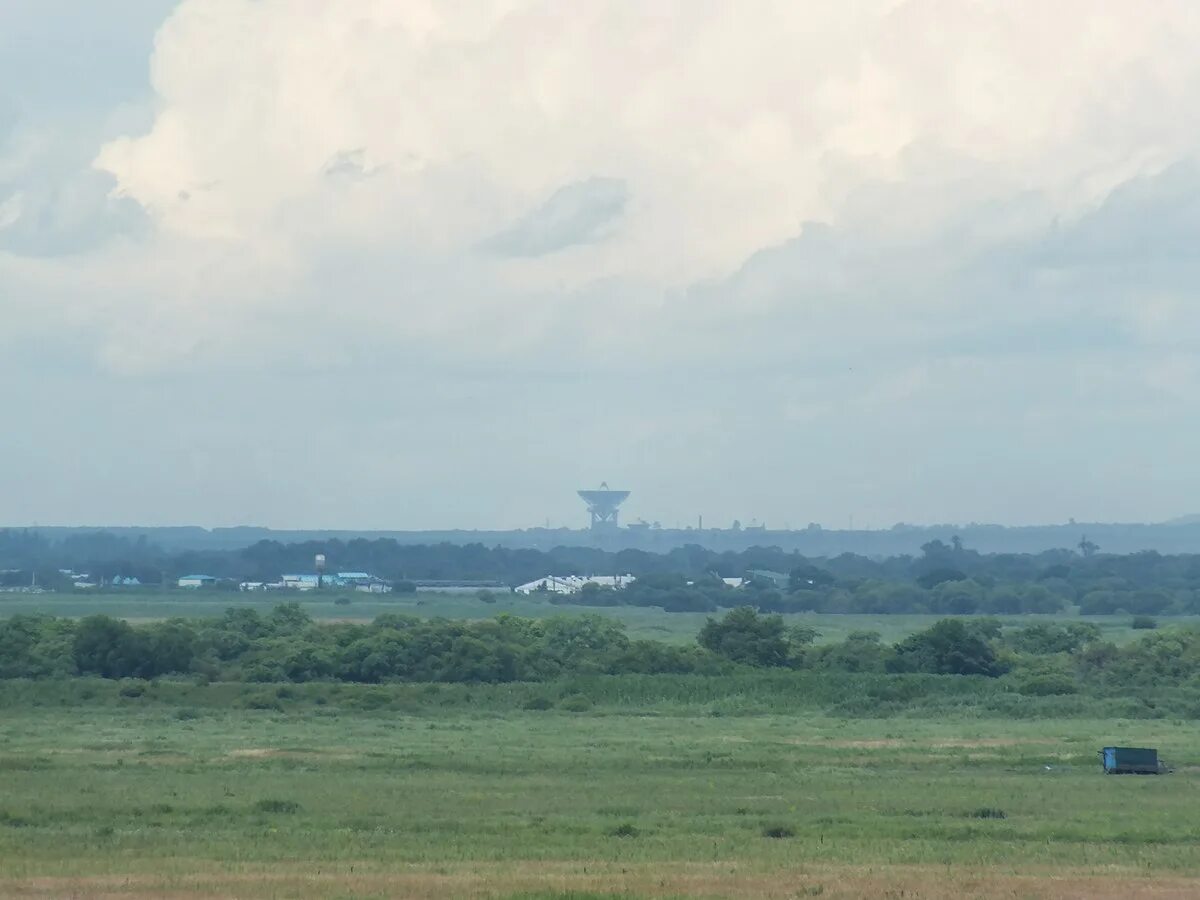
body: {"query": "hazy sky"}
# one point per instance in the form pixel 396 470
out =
pixel 433 263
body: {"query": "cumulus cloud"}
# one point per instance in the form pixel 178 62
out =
pixel 853 208
pixel 690 137
pixel 577 213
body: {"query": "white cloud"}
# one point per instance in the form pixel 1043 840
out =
pixel 10 210
pixel 871 209
pixel 290 131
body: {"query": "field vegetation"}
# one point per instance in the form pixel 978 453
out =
pixel 1159 670
pixel 762 742
pixel 639 622
pixel 760 783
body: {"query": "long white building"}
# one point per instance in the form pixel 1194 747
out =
pixel 573 584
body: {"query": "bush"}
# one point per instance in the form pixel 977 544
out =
pixel 987 812
pixel 1143 623
pixel 575 703
pixel 261 700
pixel 376 698
pixel 1047 684
pixel 342 601
pixel 538 703
pixel 778 831
pixel 277 806
pixel 625 830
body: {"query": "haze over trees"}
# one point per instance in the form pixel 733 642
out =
pixel 944 579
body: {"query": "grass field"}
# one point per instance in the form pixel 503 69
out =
pixel 173 791
pixel 767 784
pixel 642 622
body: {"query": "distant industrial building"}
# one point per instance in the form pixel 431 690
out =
pixel 362 582
pixel 573 584
pixel 356 581
pixel 301 582
pixel 196 581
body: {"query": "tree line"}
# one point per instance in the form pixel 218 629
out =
pixel 944 579
pixel 286 645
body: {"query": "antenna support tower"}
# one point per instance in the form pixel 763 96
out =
pixel 602 505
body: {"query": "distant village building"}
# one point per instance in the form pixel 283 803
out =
pixel 78 579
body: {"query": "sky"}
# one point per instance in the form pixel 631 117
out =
pixel 409 264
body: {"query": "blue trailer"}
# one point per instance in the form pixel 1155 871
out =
pixel 1131 761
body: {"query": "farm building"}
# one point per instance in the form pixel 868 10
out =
pixel 196 581
pixel 357 581
pixel 363 582
pixel 302 582
pixel 573 584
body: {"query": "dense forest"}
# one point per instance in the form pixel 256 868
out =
pixel 945 579
pixel 286 646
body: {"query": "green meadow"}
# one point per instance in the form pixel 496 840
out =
pixel 771 783
pixel 762 785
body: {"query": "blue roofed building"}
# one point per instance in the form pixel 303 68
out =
pixel 357 581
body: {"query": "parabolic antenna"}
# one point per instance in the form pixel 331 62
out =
pixel 603 504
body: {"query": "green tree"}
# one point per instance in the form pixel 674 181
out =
pixel 946 648
pixel 289 618
pixel 861 651
pixel 110 648
pixel 582 643
pixel 744 636
pixel 36 647
pixel 940 575
pixel 808 577
pixel 171 646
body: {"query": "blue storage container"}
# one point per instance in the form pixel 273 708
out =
pixel 1130 761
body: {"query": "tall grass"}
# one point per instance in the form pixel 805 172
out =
pixel 748 693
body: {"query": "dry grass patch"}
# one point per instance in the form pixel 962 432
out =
pixel 939 744
pixel 547 879
pixel 284 753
